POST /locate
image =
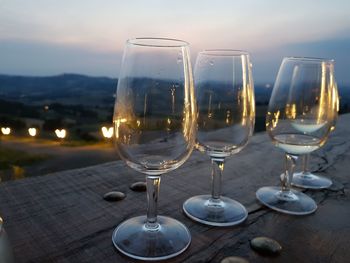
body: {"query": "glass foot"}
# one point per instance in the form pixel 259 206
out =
pixel 168 239
pixel 292 202
pixel 310 181
pixel 222 212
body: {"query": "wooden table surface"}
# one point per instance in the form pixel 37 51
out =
pixel 62 217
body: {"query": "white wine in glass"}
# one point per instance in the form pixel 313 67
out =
pixel 299 119
pixel 155 123
pixel 306 179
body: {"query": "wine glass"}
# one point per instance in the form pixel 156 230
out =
pixel 226 115
pixel 299 119
pixel 155 123
pixel 306 179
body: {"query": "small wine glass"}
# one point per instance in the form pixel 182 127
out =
pixel 299 119
pixel 155 127
pixel 226 115
pixel 306 179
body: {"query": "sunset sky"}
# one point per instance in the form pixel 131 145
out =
pixel 48 37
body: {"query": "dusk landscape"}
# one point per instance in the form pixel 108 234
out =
pixel 60 62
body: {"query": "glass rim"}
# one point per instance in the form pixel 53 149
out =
pixel 311 59
pixel 142 41
pixel 224 52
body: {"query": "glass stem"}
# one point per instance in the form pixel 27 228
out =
pixel 216 175
pixel 153 183
pixel 305 163
pixel 288 175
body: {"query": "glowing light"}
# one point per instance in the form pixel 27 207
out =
pixel 61 133
pixel 168 121
pixel 221 166
pixel 294 111
pixel 107 132
pixel 6 130
pixel 32 132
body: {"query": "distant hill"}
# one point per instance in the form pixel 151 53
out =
pixel 73 89
pixel 88 101
pixel 77 89
pixel 65 88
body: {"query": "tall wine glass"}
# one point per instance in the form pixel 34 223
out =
pixel 154 121
pixel 226 115
pixel 305 178
pixel 298 121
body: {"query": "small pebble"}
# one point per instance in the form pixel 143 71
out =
pixel 138 187
pixel 114 196
pixel 234 260
pixel 265 245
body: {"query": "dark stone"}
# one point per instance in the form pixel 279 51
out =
pixel 114 196
pixel 138 187
pixel 266 246
pixel 234 260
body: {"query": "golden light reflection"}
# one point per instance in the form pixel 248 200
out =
pixel 275 118
pixel 321 109
pixel 337 106
pixel 334 102
pixel 244 91
pixel 335 97
pixel 117 125
pixel 107 132
pixel 32 132
pixel 6 130
pixel 291 111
